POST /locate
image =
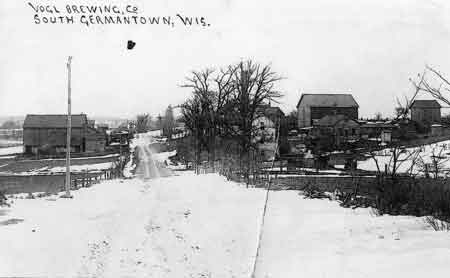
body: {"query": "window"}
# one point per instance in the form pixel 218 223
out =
pixel 261 125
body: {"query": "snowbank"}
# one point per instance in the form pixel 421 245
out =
pixel 130 166
pixel 163 156
pixel 7 157
pixel 317 238
pixel 80 168
pixel 77 158
pixel 62 169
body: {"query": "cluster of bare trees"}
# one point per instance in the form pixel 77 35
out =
pixel 222 108
pixel 145 122
pixel 142 123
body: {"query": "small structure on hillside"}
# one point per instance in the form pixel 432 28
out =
pixel 426 112
pixel 313 107
pixel 437 130
pixel 47 134
pixel 379 130
pixel 338 127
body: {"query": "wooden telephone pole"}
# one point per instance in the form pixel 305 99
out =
pixel 69 128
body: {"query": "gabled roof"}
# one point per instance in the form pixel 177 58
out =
pixel 54 121
pixel 327 100
pixel 425 103
pixel 332 120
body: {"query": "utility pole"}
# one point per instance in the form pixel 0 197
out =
pixel 69 128
pixel 120 157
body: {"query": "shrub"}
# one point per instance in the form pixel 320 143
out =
pixel 436 224
pixel 3 200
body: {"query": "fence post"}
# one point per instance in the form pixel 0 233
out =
pixel 85 176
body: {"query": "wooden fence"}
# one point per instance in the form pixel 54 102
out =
pixel 367 184
pixel 53 183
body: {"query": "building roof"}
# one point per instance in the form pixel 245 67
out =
pixel 332 120
pixel 327 100
pixel 425 103
pixel 54 121
pixel 271 112
pixel 381 125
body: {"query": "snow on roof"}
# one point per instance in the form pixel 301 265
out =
pixel 327 100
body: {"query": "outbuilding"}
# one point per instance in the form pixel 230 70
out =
pixel 47 134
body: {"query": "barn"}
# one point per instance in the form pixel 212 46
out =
pixel 313 107
pixel 47 134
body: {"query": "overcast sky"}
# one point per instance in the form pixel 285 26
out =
pixel 368 48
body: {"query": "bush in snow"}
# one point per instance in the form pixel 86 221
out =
pixel 436 224
pixel 418 197
pixel 3 200
pixel 396 196
pixel 312 191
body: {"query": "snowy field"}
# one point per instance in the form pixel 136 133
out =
pixel 52 166
pixel 73 168
pixel 318 238
pixel 421 155
pixel 4 143
pixel 205 226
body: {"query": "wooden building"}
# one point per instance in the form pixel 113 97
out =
pixel 426 112
pixel 338 127
pixel 47 134
pixel 313 107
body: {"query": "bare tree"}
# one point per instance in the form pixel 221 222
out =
pixel 435 163
pixel 223 107
pixel 197 110
pixel 436 84
pixel 168 122
pixel 142 121
pixel 403 109
pixel 254 86
pixel 192 117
